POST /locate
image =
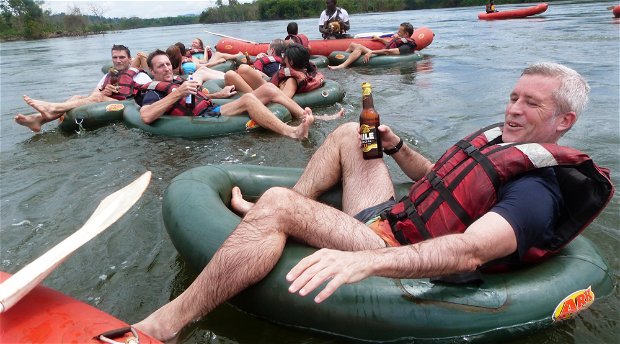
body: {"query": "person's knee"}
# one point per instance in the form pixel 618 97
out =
pixel 229 77
pixel 244 69
pixel 249 100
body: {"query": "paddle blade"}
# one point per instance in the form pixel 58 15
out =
pixel 108 211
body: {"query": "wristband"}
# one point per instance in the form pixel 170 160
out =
pixel 394 150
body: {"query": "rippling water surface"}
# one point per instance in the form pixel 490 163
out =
pixel 51 182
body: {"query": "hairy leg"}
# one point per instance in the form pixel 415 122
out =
pixel 232 78
pixel 339 159
pixel 50 111
pixel 260 114
pixel 253 249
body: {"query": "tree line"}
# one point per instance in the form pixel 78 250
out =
pixel 25 19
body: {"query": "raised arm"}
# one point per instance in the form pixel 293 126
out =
pixel 151 112
pixel 414 164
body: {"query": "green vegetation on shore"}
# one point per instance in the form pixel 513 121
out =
pixel 25 19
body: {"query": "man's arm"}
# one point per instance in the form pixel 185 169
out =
pixel 151 112
pixel 490 237
pixel 224 93
pixel 414 164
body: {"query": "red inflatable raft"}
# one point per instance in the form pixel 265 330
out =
pixel 616 11
pixel 423 37
pixel 511 14
pixel 48 316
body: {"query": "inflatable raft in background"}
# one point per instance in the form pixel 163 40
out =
pixel 338 57
pixel 195 127
pixel 45 315
pixel 616 11
pixel 378 309
pixel 330 93
pixel 512 14
pixel 317 47
pixel 423 37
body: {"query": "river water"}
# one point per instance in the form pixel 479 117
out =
pixel 51 182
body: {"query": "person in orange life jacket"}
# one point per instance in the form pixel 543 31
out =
pixel 399 44
pixel 490 7
pixel 129 77
pixel 544 104
pixel 156 103
pixel 248 78
pixel 334 21
pixel 293 35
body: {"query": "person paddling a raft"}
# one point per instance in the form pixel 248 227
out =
pixel 484 203
pixel 167 96
pixel 125 86
pixel 399 44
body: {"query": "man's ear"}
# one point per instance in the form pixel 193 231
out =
pixel 567 120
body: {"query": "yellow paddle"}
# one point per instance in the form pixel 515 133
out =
pixel 108 211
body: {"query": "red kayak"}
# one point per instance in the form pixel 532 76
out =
pixel 511 14
pixel 47 316
pixel 616 11
pixel 423 37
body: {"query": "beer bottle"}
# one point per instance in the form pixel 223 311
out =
pixel 114 75
pixel 369 122
pixel 190 100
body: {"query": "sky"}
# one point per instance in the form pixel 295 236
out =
pixel 131 8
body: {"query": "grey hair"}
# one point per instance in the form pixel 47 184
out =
pixel 572 95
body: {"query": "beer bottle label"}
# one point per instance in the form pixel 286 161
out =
pixel 369 138
pixel 366 91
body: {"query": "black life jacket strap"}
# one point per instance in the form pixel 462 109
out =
pixel 438 184
pixel 481 159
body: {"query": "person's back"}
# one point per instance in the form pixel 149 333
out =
pixel 294 35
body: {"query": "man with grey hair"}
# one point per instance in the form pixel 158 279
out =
pixel 503 195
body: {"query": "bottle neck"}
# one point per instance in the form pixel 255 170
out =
pixel 367 102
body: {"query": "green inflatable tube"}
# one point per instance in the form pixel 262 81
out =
pixel 95 115
pixel 338 57
pixel 199 127
pixel 330 93
pixel 378 309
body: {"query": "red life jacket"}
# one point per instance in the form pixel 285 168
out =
pixel 398 41
pixel 260 63
pixel 306 80
pixel 299 39
pixel 127 88
pixel 464 182
pixel 179 108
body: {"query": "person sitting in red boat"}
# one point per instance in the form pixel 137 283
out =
pixel 490 7
pixel 294 36
pixel 399 44
pixel 334 21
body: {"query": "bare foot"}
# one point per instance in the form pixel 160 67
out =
pixel 335 67
pixel 238 204
pixel 33 122
pixel 45 109
pixel 150 327
pixel 333 116
pixel 301 132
